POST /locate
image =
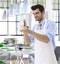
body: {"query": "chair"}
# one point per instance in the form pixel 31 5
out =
pixel 57 52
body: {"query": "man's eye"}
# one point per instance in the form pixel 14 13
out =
pixel 37 12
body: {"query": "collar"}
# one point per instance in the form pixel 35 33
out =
pixel 42 22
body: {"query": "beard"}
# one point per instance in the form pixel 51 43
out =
pixel 39 19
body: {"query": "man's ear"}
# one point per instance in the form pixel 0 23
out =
pixel 43 12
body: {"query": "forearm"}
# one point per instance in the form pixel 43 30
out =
pixel 40 37
pixel 26 39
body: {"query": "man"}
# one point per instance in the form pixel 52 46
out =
pixel 42 35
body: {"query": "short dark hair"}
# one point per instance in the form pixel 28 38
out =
pixel 38 6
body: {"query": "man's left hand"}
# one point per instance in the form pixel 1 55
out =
pixel 25 30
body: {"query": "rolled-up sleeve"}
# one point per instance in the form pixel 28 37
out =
pixel 51 30
pixel 31 38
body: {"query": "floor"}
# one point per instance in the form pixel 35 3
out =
pixel 59 61
pixel 13 59
pixel 26 61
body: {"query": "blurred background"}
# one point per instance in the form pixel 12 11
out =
pixel 14 12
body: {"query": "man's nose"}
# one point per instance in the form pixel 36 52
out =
pixel 35 15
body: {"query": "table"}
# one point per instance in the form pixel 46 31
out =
pixel 4 55
pixel 13 50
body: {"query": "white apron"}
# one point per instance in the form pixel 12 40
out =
pixel 44 52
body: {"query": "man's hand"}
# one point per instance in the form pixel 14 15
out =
pixel 25 30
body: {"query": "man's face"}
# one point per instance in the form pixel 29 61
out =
pixel 38 15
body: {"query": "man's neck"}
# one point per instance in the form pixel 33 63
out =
pixel 41 20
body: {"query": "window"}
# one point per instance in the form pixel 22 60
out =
pixel 11 13
pixel 59 18
pixel 55 16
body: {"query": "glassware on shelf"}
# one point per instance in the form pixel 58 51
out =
pixel 4 14
pixel 25 5
pixel 11 9
pixel 17 8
